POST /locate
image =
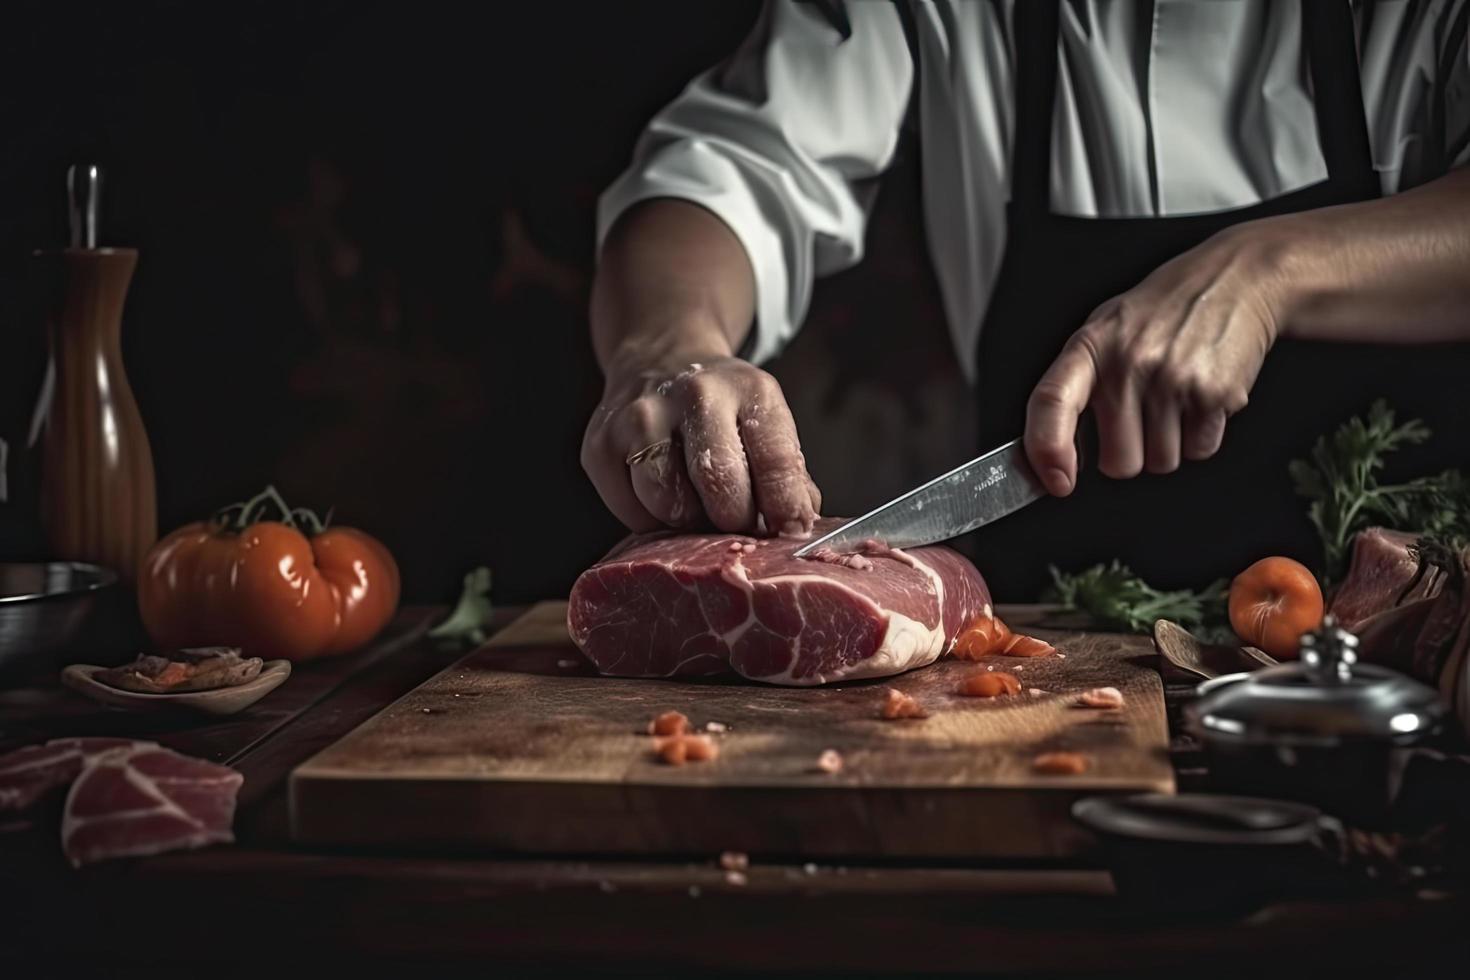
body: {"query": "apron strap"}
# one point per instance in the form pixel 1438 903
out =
pixel 1337 93
pixel 1332 55
pixel 1035 47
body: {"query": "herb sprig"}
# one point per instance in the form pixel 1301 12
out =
pixel 1118 599
pixel 1341 479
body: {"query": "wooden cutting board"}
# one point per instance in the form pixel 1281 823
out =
pixel 522 747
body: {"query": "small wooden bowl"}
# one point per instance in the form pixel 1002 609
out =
pixel 219 701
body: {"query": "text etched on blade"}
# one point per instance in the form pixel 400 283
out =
pixel 996 474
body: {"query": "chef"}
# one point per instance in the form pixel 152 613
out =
pixel 1149 212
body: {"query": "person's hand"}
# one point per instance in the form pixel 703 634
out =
pixel 1162 366
pixel 683 441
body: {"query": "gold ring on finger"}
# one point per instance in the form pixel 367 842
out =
pixel 660 448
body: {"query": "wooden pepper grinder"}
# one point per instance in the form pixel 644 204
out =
pixel 98 500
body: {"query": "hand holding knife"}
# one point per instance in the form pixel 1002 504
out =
pixel 983 490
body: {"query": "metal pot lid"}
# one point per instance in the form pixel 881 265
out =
pixel 1325 697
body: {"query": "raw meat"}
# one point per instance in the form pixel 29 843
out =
pixel 143 799
pixel 1381 568
pixel 897 706
pixel 1101 697
pixel 29 775
pixel 199 669
pixel 672 605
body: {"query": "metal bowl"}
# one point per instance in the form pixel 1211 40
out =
pixel 47 611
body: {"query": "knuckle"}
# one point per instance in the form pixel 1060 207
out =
pixel 641 416
pixel 765 386
pixel 1089 339
pixel 1172 380
pixel 1048 394
pixel 1140 364
pixel 699 387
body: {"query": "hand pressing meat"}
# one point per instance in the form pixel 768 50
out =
pixel 686 433
pixel 685 443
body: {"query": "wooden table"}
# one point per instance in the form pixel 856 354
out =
pixel 264 904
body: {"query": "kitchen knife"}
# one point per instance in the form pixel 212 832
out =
pixel 983 490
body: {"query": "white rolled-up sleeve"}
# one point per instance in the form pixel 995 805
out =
pixel 779 143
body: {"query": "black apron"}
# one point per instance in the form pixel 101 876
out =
pixel 1210 518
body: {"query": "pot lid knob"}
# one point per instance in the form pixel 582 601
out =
pixel 1330 651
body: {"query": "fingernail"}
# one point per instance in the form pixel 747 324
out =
pixel 1057 482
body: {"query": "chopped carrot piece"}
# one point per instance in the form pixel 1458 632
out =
pixel 1028 646
pixel 679 749
pixel 988 636
pixel 672 749
pixel 989 685
pixel 1060 763
pixel 700 748
pixel 669 723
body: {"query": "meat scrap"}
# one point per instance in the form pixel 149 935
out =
pixel 988 636
pixel 1101 697
pixel 676 750
pixel 830 761
pixel 735 861
pixel 1060 763
pixel 990 685
pixel 1383 573
pixel 669 723
pixel 142 799
pixel 675 605
pixel 898 705
pixel 199 669
pixel 31 774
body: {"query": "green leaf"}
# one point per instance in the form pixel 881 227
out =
pixel 1341 481
pixel 468 623
pixel 1118 599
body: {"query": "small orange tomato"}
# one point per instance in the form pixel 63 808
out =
pixel 1273 603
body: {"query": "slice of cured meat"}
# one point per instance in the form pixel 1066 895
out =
pixel 29 775
pixel 1382 567
pixel 143 799
pixel 685 604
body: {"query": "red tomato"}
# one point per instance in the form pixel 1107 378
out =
pixel 266 587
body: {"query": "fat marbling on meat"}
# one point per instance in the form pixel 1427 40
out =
pixel 144 799
pixel 669 605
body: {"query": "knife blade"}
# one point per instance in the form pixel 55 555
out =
pixel 985 489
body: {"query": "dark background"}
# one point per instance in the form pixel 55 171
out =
pixel 366 237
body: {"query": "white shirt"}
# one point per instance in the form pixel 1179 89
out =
pixel 1163 108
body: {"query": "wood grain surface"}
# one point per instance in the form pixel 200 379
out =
pixel 522 747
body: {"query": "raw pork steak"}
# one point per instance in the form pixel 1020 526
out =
pixel 143 799
pixel 682 604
